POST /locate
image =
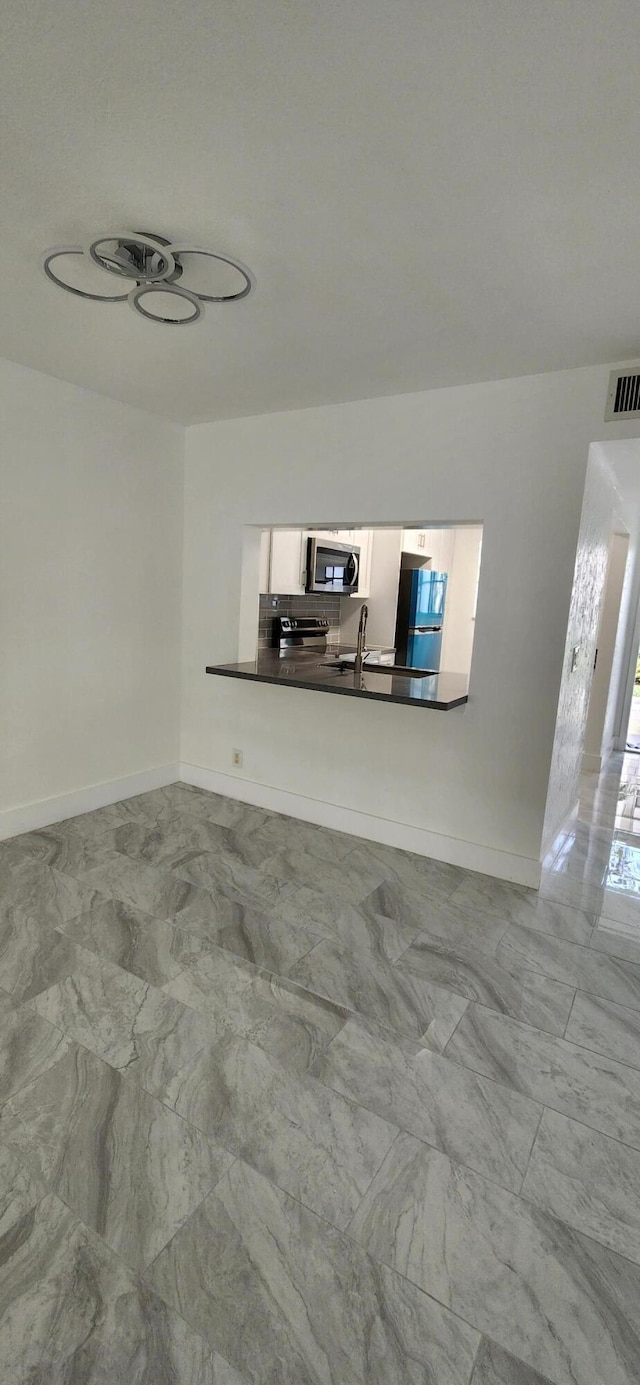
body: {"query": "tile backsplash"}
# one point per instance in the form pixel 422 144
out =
pixel 321 607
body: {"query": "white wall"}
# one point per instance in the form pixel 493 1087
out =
pixel 90 579
pixel 460 611
pixel 470 785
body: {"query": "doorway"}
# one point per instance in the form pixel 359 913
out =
pixel 632 739
pixel 598 740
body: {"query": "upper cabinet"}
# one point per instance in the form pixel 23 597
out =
pixel 283 557
pixel 287 567
pixel 434 545
pixel 364 541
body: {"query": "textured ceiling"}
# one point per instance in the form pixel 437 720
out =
pixel 428 191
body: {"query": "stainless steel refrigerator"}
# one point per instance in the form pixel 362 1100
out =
pixel 422 595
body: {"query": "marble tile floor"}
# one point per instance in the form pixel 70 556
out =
pixel 282 1107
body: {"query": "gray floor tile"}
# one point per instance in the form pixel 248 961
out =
pixel 155 934
pixel 74 1314
pixel 20 1190
pixel 225 812
pixel 361 930
pixel 13 853
pixel 439 918
pixel 618 939
pixel 491 896
pixel 131 1025
pixel 33 956
pixel 162 840
pixel 560 920
pixel 291 1301
pixel 497 1367
pixel 606 1028
pixel 28 1047
pixel 587 1180
pixel 231 882
pixel 60 847
pixel 307 1139
pixel 160 893
pixel 584 1085
pixel 92 826
pixel 562 1303
pixel 34 890
pixel 170 840
pixel 233 996
pixel 577 894
pixel 582 967
pixel 622 906
pixel 470 1118
pixel 446 1012
pixel 524 994
pixel 350 879
pixel 82 1130
pixel 152 949
pixel 362 979
pixel 267 939
pixel 280 832
pixel 434 880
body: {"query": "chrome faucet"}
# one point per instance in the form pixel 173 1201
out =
pixel 362 630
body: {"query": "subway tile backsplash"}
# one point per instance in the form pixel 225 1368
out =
pixel 321 607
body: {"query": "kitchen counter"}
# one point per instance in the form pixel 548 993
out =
pixel 441 691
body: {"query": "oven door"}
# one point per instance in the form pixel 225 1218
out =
pixel 332 568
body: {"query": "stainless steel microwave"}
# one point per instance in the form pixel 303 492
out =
pixel 332 567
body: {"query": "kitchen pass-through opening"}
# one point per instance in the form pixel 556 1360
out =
pixel 304 589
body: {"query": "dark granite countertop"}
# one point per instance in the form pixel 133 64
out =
pixel 441 691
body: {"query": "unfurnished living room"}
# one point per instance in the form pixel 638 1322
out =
pixel 320 385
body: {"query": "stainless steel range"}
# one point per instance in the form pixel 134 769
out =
pixel 301 635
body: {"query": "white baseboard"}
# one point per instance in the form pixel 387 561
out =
pixel 591 763
pixel 470 855
pixel 31 816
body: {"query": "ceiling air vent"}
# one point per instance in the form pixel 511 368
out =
pixel 623 399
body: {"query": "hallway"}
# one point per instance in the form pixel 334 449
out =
pixel 633 729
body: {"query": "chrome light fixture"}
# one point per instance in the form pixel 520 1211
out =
pixel 149 269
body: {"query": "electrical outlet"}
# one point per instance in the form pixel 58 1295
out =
pixel 236 757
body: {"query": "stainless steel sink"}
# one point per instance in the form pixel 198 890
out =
pixel 399 670
pixel 394 670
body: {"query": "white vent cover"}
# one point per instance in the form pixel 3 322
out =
pixel 623 399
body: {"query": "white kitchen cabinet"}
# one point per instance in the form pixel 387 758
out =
pixel 415 541
pixel 441 549
pixel 435 545
pixel 288 561
pixel 265 560
pixel 335 535
pixel 363 539
pixel 284 567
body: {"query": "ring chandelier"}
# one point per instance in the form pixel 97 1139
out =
pixel 149 268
